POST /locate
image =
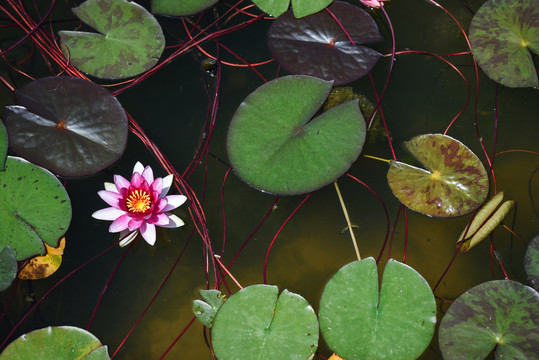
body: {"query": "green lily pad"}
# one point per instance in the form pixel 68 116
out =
pixel 58 343
pixel 206 310
pixel 3 145
pixel 68 125
pixel 531 262
pixel 317 46
pixel 274 146
pixel 34 208
pixel 300 8
pixel 131 39
pixel 360 322
pixel 502 33
pixel 180 8
pixel 500 315
pixel 456 182
pixel 256 324
pixel 8 268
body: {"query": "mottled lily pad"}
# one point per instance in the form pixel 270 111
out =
pixel 41 267
pixel 500 315
pixel 502 34
pixel 300 8
pixel 255 323
pixel 180 8
pixel 130 40
pixel 58 343
pixel 8 267
pixel 317 46
pixel 206 310
pixel 34 208
pixel 3 145
pixel 275 146
pixel 455 182
pixel 531 262
pixel 68 125
pixel 359 321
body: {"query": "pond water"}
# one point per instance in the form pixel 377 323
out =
pixel 423 97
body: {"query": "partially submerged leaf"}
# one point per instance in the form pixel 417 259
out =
pixel 180 8
pixel 41 267
pixel 205 310
pixel 70 126
pixel 454 184
pixel 498 315
pixel 502 34
pixel 531 262
pixel 8 267
pixel 317 45
pixel 130 40
pixel 482 215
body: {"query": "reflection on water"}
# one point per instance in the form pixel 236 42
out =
pixel 424 96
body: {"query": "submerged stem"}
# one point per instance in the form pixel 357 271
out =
pixel 347 219
pixel 377 158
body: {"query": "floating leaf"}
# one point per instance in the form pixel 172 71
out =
pixel 531 262
pixel 455 184
pixel 41 267
pixel 58 343
pixel 274 145
pixel 500 315
pixel 359 322
pixel 317 45
pixel 3 145
pixel 8 268
pixel 131 40
pixel 256 324
pixel 205 310
pixel 502 33
pixel 34 208
pixel 301 8
pixel 67 125
pixel 180 8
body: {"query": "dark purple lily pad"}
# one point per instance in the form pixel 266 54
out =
pixel 500 315
pixel 317 46
pixel 531 262
pixel 68 125
pixel 3 146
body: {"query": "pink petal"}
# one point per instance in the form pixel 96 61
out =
pixel 111 198
pixel 156 187
pixel 134 224
pixel 167 184
pixel 108 214
pixel 119 224
pixel 127 237
pixel 158 219
pixel 148 233
pixel 121 183
pixel 160 205
pixel 137 180
pixel 173 201
pixel 138 168
pixel 147 174
pixel 173 221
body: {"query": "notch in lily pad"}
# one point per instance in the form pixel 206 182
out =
pixel 70 126
pixel 130 40
pixel 454 184
pixel 502 35
pixel 360 321
pixel 275 145
pixel 300 8
pixel 317 45
pixel 258 323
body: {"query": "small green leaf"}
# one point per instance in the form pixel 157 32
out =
pixel 180 7
pixel 455 184
pixel 58 343
pixel 8 268
pixel 502 34
pixel 273 7
pixel 131 39
pixel 500 315
pixel 358 322
pixel 274 146
pixel 531 262
pixel 256 324
pixel 3 146
pixel 34 208
pixel 303 8
pixel 205 310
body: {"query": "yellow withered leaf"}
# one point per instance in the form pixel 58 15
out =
pixel 481 216
pixel 44 266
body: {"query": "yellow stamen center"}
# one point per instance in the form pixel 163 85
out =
pixel 138 201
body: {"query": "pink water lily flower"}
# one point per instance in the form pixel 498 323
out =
pixel 139 205
pixel 373 3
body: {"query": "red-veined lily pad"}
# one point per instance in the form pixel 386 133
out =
pixel 180 8
pixel 67 125
pixel 531 262
pixel 58 343
pixel 502 33
pixel 34 208
pixel 255 323
pixel 130 40
pixel 456 182
pixel 358 321
pixel 500 315
pixel 300 8
pixel 274 146
pixel 3 145
pixel 8 267
pixel 316 45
